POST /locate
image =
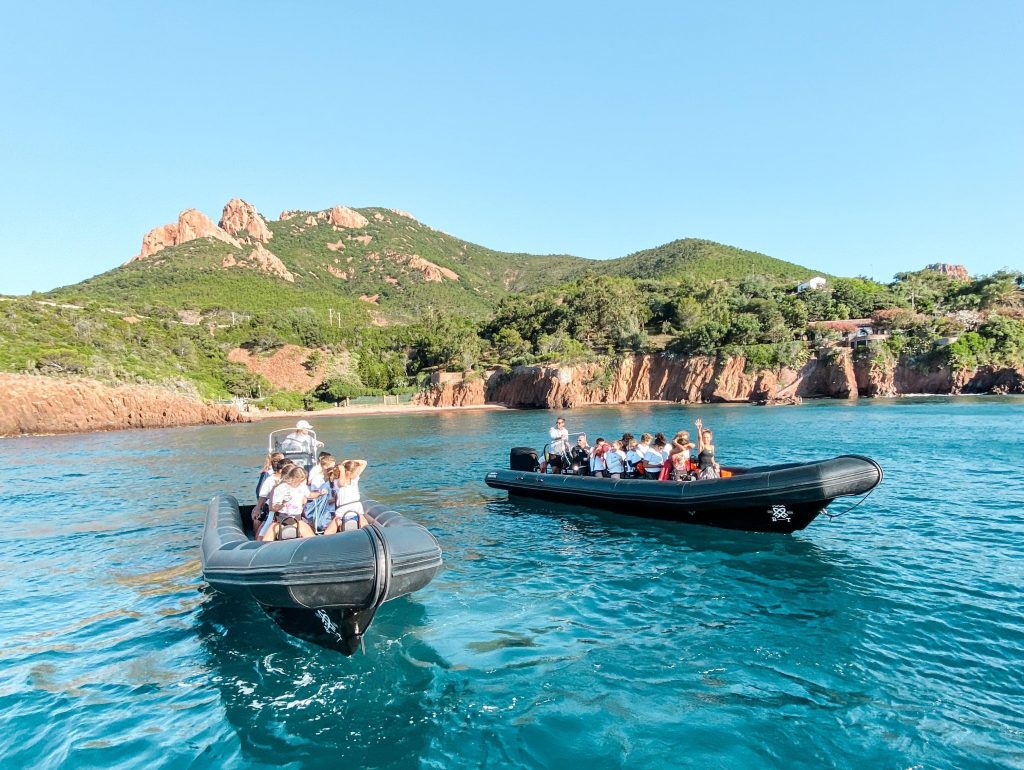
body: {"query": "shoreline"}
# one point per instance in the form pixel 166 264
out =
pixel 381 409
pixel 372 409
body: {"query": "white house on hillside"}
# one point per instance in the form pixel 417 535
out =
pixel 812 284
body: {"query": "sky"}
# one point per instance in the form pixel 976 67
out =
pixel 855 138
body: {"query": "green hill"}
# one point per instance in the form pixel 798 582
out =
pixel 693 258
pixel 407 268
pixel 373 305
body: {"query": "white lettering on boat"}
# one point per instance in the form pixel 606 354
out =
pixel 329 625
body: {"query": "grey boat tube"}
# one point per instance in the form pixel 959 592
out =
pixel 325 589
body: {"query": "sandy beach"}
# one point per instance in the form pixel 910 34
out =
pixel 360 410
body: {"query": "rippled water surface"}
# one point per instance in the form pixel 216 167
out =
pixel 892 637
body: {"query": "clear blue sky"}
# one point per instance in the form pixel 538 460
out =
pixel 858 138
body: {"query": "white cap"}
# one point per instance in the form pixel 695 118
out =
pixel 302 424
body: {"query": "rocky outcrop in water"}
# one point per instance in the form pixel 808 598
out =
pixel 35 404
pixel 707 380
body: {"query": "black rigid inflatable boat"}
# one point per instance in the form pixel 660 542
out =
pixel 324 589
pixel 771 498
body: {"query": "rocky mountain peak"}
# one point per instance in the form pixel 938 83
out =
pixel 342 216
pixel 240 218
pixel 959 272
pixel 191 224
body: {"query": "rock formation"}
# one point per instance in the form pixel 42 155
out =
pixel 191 224
pixel 431 273
pixel 262 260
pixel 35 404
pixel 342 216
pixel 959 272
pixel 707 380
pixel 241 219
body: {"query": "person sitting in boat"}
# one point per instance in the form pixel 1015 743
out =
pixel 301 440
pixel 680 454
pixel 634 458
pixel 348 506
pixel 319 511
pixel 707 468
pixel 579 456
pixel 654 459
pixel 286 503
pixel 267 470
pixel 599 458
pixel 644 444
pixel 260 511
pixel 615 460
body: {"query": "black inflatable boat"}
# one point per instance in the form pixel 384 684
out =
pixel 770 498
pixel 324 589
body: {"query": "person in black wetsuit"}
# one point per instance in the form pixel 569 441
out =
pixel 580 456
pixel 707 467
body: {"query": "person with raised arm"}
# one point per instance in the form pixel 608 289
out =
pixel 348 504
pixel 708 468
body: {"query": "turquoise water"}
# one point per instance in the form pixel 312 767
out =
pixel 891 637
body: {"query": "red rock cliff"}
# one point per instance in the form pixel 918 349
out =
pixel 706 380
pixel 34 404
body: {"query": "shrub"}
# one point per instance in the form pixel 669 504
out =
pixel 285 401
pixel 969 352
pixel 60 362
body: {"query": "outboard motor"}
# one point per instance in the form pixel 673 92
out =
pixel 523 458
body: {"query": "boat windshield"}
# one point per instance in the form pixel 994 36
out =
pixel 302 448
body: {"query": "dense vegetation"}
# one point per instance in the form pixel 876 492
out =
pixel 173 318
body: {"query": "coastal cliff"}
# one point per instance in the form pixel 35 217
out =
pixel 34 404
pixel 701 379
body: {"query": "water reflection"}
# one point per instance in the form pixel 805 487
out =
pixel 289 702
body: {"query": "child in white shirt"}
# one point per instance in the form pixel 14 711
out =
pixel 286 504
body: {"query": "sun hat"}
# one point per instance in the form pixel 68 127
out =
pixel 303 425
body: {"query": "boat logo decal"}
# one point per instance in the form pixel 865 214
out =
pixel 492 475
pixel 779 513
pixel 329 625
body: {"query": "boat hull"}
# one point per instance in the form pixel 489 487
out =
pixel 325 589
pixel 780 498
